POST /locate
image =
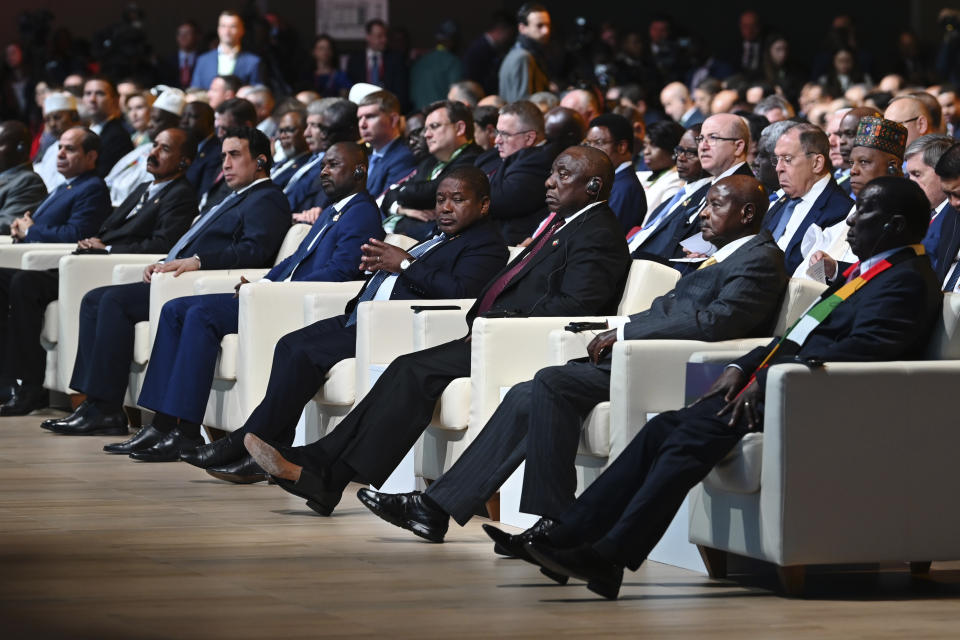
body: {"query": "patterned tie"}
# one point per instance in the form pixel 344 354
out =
pixel 953 279
pixel 785 214
pixel 501 283
pixel 378 278
pixel 709 262
pixel 198 225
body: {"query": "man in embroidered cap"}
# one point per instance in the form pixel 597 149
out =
pixel 59 114
pixel 131 169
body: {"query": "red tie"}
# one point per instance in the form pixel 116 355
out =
pixel 497 287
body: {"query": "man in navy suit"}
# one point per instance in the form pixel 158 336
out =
pixel 185 350
pixel 103 104
pixel 378 66
pixel 244 230
pixel 149 221
pixel 378 114
pixel 577 266
pixel 198 119
pixel 227 59
pixel 811 195
pixel 455 263
pixel 947 251
pixel 620 517
pixel 612 134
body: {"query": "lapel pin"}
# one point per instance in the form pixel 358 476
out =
pixel 555 243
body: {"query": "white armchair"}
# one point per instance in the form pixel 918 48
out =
pixel 847 469
pixel 505 351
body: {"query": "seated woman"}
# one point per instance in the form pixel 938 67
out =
pixel 661 182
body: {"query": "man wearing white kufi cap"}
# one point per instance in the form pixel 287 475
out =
pixel 131 169
pixel 59 114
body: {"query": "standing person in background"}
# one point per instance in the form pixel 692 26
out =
pixel 524 70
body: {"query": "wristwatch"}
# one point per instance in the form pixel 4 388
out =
pixel 405 263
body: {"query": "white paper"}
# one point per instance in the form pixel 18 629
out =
pixel 696 244
pixel 817 272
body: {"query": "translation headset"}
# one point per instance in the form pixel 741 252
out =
pixel 593 186
pixel 21 146
pixel 358 172
pixel 891 168
pixel 261 165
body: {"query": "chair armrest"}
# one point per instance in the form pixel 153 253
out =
pixel 432 327
pixel 11 255
pixel 879 440
pixel 215 282
pixel 322 300
pixel 43 259
pixel 131 265
pixel 717 357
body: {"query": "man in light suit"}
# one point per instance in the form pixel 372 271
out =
pixel 811 195
pixel 149 221
pixel 227 58
pixel 540 420
pixel 244 230
pixel 617 521
pixel 523 71
pixel 21 189
pixel 184 357
pixel 577 266
pixel 455 263
pixel 391 160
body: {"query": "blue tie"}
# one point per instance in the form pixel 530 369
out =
pixel 785 214
pixel 954 278
pixel 677 197
pixel 195 229
pixel 380 276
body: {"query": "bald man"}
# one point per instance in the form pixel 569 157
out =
pixel 678 104
pixel 21 189
pixel 540 420
pixel 577 266
pixel 564 127
pixel 583 102
pixel 912 113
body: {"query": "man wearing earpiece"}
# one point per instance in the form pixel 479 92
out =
pixel 21 189
pixel 184 357
pixel 244 230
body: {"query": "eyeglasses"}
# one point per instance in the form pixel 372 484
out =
pixel 713 139
pixel 904 122
pixel 788 160
pixel 287 130
pixel 433 126
pixel 504 134
pixel 597 143
pixel 687 152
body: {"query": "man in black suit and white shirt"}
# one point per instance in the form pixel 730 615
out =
pixel 540 421
pixel 577 266
pixel 886 314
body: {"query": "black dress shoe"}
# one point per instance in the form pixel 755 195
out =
pixel 143 439
pixel 512 546
pixel 244 471
pixel 26 399
pixel 93 422
pixel 7 390
pixel 315 490
pixel 77 414
pixel 218 453
pixel 583 563
pixel 408 511
pixel 168 448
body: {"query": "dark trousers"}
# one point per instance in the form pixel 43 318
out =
pixel 184 355
pixel 374 437
pixel 105 345
pixel 25 295
pixel 539 420
pixel 628 508
pixel 301 361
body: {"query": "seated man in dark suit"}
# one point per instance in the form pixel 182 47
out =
pixel 244 230
pixel 947 255
pixel 449 135
pixel 235 112
pixel 21 189
pixel 227 58
pixel 577 266
pixel 539 421
pixel 184 357
pixel 149 221
pixel 884 311
pixel 811 195
pixel 613 135
pixel 197 119
pixel 290 133
pixel 102 103
pixel 391 160
pixel 76 208
pixel 455 263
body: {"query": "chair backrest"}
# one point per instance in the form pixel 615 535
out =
pixel 799 295
pixel 646 281
pixel 291 241
pixel 945 339
pixel 400 240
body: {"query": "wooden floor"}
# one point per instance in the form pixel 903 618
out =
pixel 95 546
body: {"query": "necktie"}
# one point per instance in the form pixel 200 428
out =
pixel 374 73
pixel 709 262
pixel 785 214
pixel 375 159
pixel 378 278
pixel 678 196
pixel 302 170
pixel 185 73
pixel 501 283
pixel 198 225
pixel 953 279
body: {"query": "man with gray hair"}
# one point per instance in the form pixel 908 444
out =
pixel 774 108
pixel 921 159
pixel 765 164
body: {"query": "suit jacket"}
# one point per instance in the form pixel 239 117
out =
pixel 206 166
pixel 521 75
pixel 168 70
pixel 335 256
pixel 628 199
pixel 889 318
pixel 736 298
pixel 159 223
pixel 459 267
pixel 247 69
pixel 831 207
pixel 696 117
pixel 397 163
pixel 21 190
pixel 246 232
pixel 394 77
pixel 517 191
pixel 72 212
pixel 282 177
pixel 580 271
pixel 943 241
pixel 114 144
pixel 306 192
